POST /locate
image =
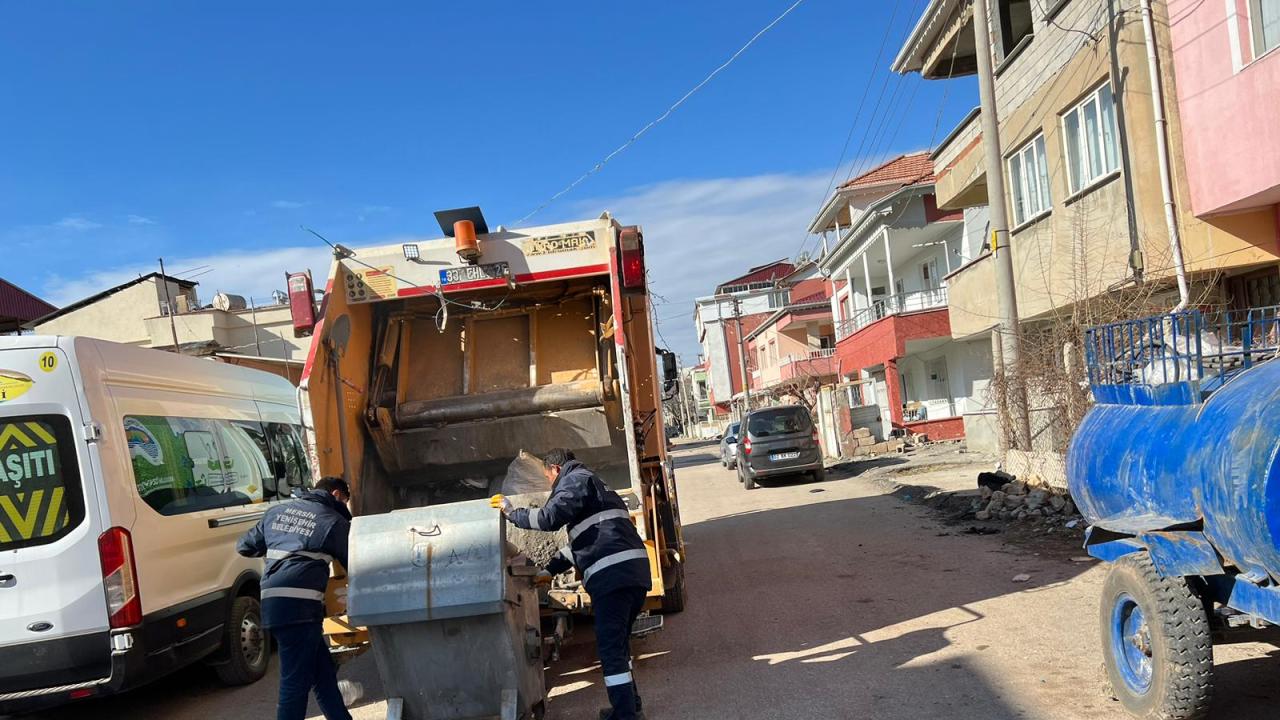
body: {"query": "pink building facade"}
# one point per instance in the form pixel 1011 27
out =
pixel 1226 56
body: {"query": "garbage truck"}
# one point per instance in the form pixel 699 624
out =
pixel 1177 469
pixel 438 366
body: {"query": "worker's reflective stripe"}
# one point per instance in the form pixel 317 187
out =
pixel 282 554
pixel 567 553
pixel 596 519
pixel 533 519
pixel 288 592
pixel 619 679
pixel 611 560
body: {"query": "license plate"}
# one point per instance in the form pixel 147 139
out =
pixel 776 457
pixel 473 273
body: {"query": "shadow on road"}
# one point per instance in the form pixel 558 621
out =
pixel 802 613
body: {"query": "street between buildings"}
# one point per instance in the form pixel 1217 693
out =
pixel 843 599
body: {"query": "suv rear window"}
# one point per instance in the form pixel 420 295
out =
pixel 41 498
pixel 783 421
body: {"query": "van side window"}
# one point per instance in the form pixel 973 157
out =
pixel 183 465
pixel 41 498
pixel 289 466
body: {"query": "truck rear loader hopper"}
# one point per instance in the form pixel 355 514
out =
pixel 429 374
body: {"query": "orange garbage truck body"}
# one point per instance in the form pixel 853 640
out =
pixel 436 363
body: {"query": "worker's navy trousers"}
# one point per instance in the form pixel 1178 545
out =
pixel 305 664
pixel 615 613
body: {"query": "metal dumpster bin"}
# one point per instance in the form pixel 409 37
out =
pixel 454 623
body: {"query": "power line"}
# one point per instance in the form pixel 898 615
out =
pixel 652 123
pixel 853 126
pixel 872 122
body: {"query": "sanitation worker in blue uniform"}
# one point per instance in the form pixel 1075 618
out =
pixel 608 553
pixel 299 539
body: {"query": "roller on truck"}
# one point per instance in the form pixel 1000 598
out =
pixel 1177 469
pixel 435 368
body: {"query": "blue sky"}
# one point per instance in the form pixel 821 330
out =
pixel 208 132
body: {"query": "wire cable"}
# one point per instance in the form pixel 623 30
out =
pixel 652 123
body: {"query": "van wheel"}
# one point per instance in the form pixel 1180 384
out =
pixel 1156 642
pixel 245 644
pixel 748 482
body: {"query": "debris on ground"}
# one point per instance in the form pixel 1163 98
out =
pixel 1021 578
pixel 1016 500
pixel 975 530
pixel 1082 559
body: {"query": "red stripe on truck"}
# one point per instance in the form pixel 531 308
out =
pixel 559 274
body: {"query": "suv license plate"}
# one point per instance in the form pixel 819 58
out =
pixel 784 456
pixel 473 273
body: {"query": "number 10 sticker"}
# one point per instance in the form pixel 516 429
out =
pixel 48 362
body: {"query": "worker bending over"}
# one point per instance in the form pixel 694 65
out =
pixel 299 539
pixel 610 556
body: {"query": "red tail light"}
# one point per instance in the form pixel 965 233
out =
pixel 746 446
pixel 120 578
pixel 814 435
pixel 631 243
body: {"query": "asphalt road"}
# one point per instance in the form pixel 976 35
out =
pixel 832 600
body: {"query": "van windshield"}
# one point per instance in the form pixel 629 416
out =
pixel 782 421
pixel 40 494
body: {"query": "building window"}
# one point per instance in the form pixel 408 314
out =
pixel 779 298
pixel 1015 24
pixel 1029 182
pixel 1264 17
pixel 1089 138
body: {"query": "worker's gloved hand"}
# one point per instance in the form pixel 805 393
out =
pixel 542 578
pixel 500 502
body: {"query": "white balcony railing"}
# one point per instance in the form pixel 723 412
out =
pixel 892 305
pixel 811 355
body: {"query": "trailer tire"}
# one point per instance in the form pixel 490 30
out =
pixel 673 599
pixel 1156 642
pixel 246 643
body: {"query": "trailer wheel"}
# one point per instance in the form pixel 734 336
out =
pixel 673 599
pixel 1156 642
pixel 247 645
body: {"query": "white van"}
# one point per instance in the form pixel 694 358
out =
pixel 126 477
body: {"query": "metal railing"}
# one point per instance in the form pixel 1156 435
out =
pixel 811 355
pixel 892 305
pixel 1178 357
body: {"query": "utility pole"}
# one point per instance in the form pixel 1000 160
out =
pixel 173 327
pixel 1010 339
pixel 742 358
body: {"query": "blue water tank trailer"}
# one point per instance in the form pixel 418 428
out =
pixel 1177 471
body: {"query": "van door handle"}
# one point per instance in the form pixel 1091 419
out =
pixel 8 580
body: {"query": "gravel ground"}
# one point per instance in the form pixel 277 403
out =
pixel 834 600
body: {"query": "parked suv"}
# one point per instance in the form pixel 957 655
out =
pixel 729 447
pixel 778 441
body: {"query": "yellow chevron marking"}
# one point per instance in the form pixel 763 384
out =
pixel 41 433
pixel 24 524
pixel 15 431
pixel 53 515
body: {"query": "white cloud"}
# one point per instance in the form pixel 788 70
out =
pixel 288 204
pixel 370 209
pixel 699 233
pixel 253 273
pixel 76 223
pixel 140 220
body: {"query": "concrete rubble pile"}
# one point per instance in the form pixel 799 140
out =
pixel 1018 501
pixel 864 443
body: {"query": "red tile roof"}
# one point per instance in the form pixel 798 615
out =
pixel 18 306
pixel 903 170
pixel 762 273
